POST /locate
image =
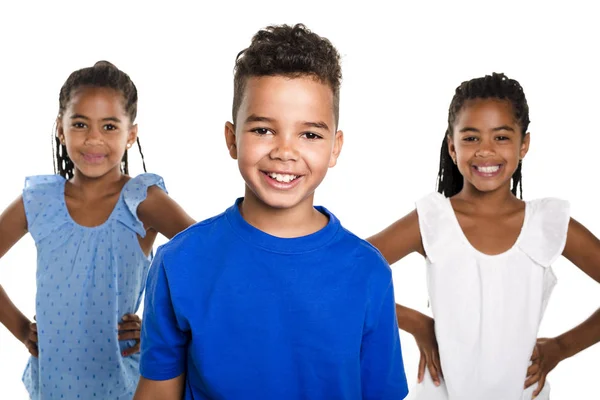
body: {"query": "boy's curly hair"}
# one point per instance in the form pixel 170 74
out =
pixel 291 51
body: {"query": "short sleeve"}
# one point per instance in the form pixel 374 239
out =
pixel 435 224
pixel 134 193
pixel 163 343
pixel 546 228
pixel 43 200
pixel 382 368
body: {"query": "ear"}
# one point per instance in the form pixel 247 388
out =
pixel 525 145
pixel 338 143
pixel 60 132
pixel 230 140
pixel 451 147
pixel 132 136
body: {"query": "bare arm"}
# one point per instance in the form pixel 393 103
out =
pixel 161 213
pixel 13 226
pixel 399 239
pixel 395 242
pixel 583 250
pixel 171 389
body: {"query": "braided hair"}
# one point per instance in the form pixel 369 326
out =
pixel 102 74
pixel 499 86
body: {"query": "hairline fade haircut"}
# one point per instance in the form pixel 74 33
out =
pixel 290 51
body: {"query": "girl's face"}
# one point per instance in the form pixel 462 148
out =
pixel 487 144
pixel 96 131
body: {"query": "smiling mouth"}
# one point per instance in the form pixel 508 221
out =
pixel 93 158
pixel 282 178
pixel 487 169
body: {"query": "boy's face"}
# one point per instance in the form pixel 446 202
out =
pixel 284 139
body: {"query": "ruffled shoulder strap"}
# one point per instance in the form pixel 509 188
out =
pixel 436 224
pixel 43 199
pixel 545 234
pixel 133 194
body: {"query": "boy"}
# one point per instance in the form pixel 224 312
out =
pixel 274 299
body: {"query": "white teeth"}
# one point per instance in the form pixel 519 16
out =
pixel 282 177
pixel 488 170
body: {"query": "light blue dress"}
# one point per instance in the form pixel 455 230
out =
pixel 87 279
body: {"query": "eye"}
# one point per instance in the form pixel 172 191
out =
pixel 109 127
pixel 502 138
pixel 312 136
pixel 470 139
pixel 78 125
pixel 262 131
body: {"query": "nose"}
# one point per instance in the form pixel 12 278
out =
pixel 93 136
pixel 284 148
pixel 486 148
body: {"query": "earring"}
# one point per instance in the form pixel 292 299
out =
pixel 454 160
pixel 128 145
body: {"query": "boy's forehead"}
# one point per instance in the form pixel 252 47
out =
pixel 280 93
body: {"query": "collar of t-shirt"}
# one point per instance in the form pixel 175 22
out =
pixel 301 244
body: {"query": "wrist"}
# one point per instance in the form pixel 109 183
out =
pixel 22 332
pixel 564 348
pixel 423 325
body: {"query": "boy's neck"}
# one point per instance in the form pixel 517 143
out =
pixel 301 220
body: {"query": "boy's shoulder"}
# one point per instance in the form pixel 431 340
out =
pixel 350 249
pixel 360 259
pixel 362 249
pixel 361 245
pixel 196 237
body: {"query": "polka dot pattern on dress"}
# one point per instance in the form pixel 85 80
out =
pixel 87 279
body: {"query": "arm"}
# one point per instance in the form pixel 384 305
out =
pixel 382 367
pixel 13 226
pixel 399 239
pixel 171 389
pixel 164 344
pixel 395 242
pixel 161 213
pixel 583 250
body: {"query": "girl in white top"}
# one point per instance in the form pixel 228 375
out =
pixel 489 257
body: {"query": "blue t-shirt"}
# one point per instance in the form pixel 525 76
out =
pixel 87 279
pixel 247 315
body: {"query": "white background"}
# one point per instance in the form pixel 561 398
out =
pixel 401 64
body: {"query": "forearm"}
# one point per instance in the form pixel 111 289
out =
pixel 410 320
pixel 172 389
pixel 581 337
pixel 12 318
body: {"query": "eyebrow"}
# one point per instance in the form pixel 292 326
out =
pixel 318 125
pixel 79 116
pixel 310 124
pixel 503 128
pixel 497 129
pixel 257 118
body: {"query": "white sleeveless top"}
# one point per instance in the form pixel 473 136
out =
pixel 487 309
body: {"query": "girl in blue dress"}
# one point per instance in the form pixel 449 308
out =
pixel 94 228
